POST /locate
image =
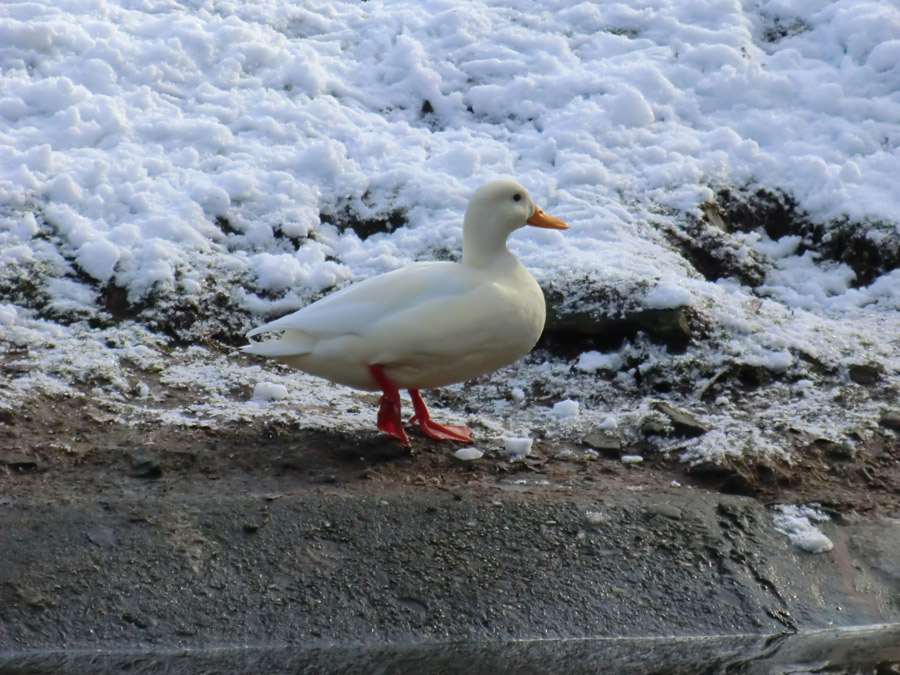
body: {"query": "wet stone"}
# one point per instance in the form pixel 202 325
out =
pixel 606 444
pixel 865 374
pixel 890 420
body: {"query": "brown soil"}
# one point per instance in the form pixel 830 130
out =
pixel 70 448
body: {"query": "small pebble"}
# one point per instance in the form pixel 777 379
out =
pixel 596 517
pixel 632 459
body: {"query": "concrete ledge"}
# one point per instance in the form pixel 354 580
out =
pixel 416 565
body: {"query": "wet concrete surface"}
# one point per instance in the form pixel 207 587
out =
pixel 395 564
pixel 145 547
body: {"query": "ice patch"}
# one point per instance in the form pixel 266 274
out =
pixel 797 523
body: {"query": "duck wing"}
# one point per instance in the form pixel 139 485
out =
pixel 357 309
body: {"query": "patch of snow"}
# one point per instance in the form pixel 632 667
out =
pixel 517 448
pixel 667 295
pixel 608 424
pixel 564 409
pixel 183 158
pixel 269 391
pixel 7 315
pixel 592 361
pixel 797 523
pixel 468 454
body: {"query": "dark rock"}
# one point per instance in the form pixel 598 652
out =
pixel 832 450
pixel 145 465
pixel 606 444
pixel 666 510
pixel 654 427
pixel 348 219
pixel 890 420
pixel 746 209
pixel 865 374
pixel 137 620
pixel 7 417
pixel 684 423
pixel 17 461
pixel 723 478
pixel 708 244
pixel 594 315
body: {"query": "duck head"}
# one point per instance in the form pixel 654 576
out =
pixel 495 211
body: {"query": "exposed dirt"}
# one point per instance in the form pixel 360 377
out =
pixel 65 448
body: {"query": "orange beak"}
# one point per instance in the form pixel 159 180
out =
pixel 545 220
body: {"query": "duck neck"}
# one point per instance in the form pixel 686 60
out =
pixel 482 247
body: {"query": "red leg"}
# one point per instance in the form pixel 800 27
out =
pixel 445 432
pixel 389 419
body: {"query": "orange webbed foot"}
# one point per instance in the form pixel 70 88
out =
pixel 432 429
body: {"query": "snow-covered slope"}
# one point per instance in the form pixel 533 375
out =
pixel 190 168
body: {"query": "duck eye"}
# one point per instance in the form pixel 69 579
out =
pixel 517 197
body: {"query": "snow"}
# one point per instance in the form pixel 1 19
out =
pixel 667 295
pixel 203 161
pixel 7 315
pixel 269 391
pixel 797 522
pixel 564 409
pixel 592 361
pixel 517 448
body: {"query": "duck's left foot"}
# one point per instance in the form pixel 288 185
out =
pixel 432 429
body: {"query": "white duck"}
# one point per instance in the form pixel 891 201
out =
pixel 428 324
